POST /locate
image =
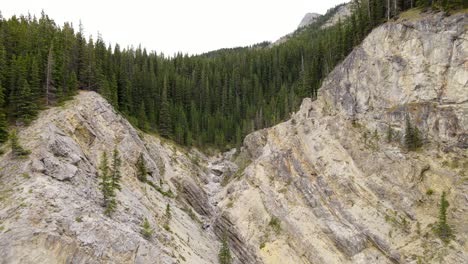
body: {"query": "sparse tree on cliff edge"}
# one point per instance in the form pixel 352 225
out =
pixel 141 168
pixel 224 255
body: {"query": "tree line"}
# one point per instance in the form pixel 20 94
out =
pixel 212 99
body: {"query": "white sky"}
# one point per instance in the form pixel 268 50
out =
pixel 168 26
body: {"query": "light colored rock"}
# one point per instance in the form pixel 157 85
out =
pixel 343 12
pixel 343 198
pixel 308 19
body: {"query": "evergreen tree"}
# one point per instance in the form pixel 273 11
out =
pixel 3 127
pixel 224 255
pixel 22 102
pixel 412 136
pixel 167 217
pixel 106 186
pixel 3 121
pixel 389 134
pixel 165 126
pixel 115 172
pixel 146 229
pixel 443 230
pixel 72 84
pixel 141 168
pixel 16 149
pixel 142 117
pixel 50 88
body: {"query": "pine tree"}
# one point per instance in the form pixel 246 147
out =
pixel 412 136
pixel 22 102
pixel 72 84
pixel 141 168
pixel 165 124
pixel 3 127
pixel 224 255
pixel 142 117
pixel 16 149
pixel 389 134
pixel 3 120
pixel 107 186
pixel 50 89
pixel 443 230
pixel 115 172
pixel 167 217
pixel 146 229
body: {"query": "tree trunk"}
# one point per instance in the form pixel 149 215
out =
pixel 388 9
pixel 369 13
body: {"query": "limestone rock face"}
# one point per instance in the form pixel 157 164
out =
pixel 342 13
pixel 331 185
pixel 51 206
pixel 420 68
pixel 308 19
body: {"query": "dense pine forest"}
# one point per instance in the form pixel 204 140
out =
pixel 213 99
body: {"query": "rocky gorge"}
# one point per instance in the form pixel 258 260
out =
pixel 327 186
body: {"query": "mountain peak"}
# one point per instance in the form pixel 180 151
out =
pixel 308 19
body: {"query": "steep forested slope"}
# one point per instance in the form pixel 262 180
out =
pixel 195 100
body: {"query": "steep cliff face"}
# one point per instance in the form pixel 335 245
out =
pixel 308 19
pixel 327 186
pixel 343 192
pixel 51 205
pixel 341 14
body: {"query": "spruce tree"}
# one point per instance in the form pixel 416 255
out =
pixel 412 136
pixel 107 185
pixel 115 172
pixel 146 229
pixel 165 124
pixel 443 230
pixel 3 120
pixel 49 83
pixel 22 102
pixel 142 117
pixel 167 217
pixel 16 149
pixel 3 127
pixel 389 134
pixel 141 168
pixel 224 254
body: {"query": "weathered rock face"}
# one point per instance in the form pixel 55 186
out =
pixel 420 69
pixel 51 206
pixel 308 19
pixel 340 190
pixel 327 186
pixel 342 13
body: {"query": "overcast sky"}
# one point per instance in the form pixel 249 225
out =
pixel 169 26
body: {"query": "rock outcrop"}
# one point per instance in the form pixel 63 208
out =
pixel 344 11
pixel 308 19
pixel 334 184
pixel 51 205
pixel 342 189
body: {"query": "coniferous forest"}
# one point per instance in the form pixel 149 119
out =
pixel 213 99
